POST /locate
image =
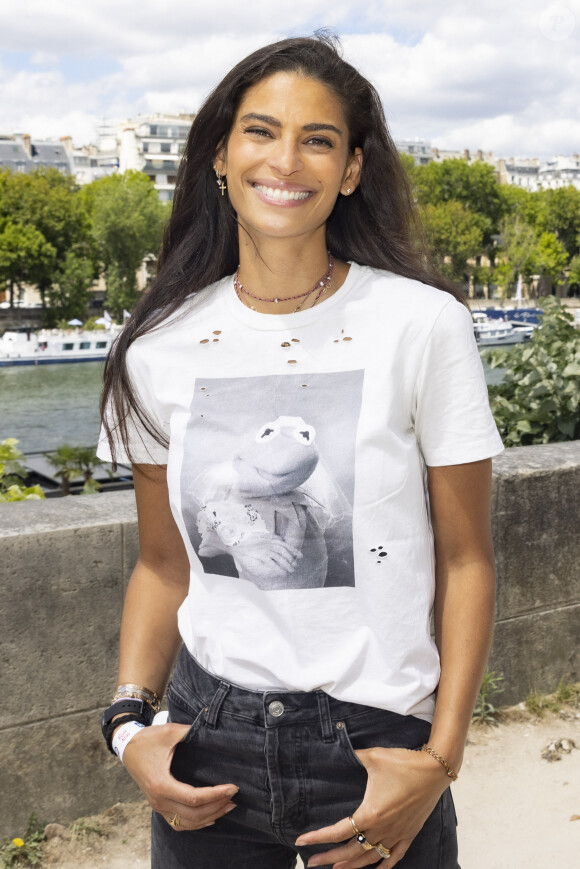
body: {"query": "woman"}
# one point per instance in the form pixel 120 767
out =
pixel 311 443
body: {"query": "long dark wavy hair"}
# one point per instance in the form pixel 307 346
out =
pixel 376 226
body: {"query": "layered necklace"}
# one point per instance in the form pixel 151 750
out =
pixel 320 288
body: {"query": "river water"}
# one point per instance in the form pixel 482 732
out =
pixel 46 406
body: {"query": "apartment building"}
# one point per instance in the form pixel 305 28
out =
pixel 154 145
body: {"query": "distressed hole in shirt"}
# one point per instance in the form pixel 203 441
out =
pixel 204 341
pixel 347 339
pixel 217 332
pixel 285 344
pixel 296 340
pixel 292 362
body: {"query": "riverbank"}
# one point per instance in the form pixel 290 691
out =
pixel 515 807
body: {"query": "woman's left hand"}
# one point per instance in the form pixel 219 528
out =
pixel 402 790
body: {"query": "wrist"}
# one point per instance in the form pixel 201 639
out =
pixel 123 735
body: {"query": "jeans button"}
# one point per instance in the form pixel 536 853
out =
pixel 276 708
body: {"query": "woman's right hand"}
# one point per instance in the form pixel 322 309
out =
pixel 148 757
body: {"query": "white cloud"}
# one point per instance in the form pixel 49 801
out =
pixel 488 72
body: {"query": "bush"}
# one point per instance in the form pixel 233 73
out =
pixel 12 473
pixel 538 401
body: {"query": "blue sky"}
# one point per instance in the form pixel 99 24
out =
pixel 501 76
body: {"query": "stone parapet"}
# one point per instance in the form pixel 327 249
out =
pixel 64 567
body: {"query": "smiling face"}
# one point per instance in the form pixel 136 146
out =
pixel 287 157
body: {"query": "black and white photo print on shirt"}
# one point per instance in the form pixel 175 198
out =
pixel 267 480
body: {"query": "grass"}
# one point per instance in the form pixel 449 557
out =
pixel 566 694
pixel 485 711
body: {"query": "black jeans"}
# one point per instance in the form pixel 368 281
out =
pixel 292 756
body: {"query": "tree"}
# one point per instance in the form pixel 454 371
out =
pixel 70 293
pixel 474 185
pixel 127 223
pixel 25 256
pixel 560 214
pixel 517 244
pixel 455 235
pixel 48 202
pixel 551 258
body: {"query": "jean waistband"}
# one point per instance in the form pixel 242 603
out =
pixel 273 708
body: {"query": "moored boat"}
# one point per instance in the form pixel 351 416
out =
pixel 27 347
pixel 498 333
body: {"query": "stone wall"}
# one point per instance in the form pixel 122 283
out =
pixel 64 567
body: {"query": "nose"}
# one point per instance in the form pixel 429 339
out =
pixel 285 157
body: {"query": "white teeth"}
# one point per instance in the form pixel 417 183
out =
pixel 282 195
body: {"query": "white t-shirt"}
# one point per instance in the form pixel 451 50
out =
pixel 297 477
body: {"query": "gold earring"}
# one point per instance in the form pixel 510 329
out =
pixel 220 181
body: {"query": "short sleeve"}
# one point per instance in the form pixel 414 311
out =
pixel 453 421
pixel 143 448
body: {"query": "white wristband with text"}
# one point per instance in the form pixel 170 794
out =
pixel 123 736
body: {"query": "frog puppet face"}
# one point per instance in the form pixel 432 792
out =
pixel 280 458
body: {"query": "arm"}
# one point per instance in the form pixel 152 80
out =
pixel 404 786
pixel 149 644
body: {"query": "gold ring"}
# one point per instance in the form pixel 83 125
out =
pixel 362 840
pixel 175 821
pixel 380 849
pixel 353 825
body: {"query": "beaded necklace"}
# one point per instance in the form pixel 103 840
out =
pixel 321 286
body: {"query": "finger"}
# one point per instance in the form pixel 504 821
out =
pixel 351 855
pixel 194 798
pixel 336 833
pixel 187 819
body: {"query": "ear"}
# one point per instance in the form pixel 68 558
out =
pixel 352 173
pixel 219 163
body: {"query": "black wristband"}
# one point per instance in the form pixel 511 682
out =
pixel 109 730
pixel 123 711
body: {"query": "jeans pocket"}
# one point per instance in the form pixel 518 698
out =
pixel 347 747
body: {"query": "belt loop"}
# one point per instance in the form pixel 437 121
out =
pixel 324 712
pixel 215 705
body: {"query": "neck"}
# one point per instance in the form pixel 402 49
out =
pixel 276 269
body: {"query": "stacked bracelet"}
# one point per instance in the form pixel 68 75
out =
pixel 452 775
pixel 130 691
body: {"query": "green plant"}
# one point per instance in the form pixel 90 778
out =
pixel 538 401
pixel 485 711
pixel 12 473
pixel 91 325
pixel 566 694
pixel 73 462
pixel 26 851
pixel 84 827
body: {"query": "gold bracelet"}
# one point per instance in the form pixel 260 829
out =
pixel 138 693
pixel 452 775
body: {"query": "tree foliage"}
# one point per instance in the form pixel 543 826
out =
pixel 538 401
pixel 69 295
pixel 127 221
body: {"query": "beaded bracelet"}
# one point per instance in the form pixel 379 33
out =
pixel 452 775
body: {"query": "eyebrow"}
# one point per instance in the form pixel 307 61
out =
pixel 274 122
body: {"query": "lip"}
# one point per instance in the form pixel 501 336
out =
pixel 281 193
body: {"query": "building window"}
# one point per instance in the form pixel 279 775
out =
pixel 100 345
pixel 165 147
pixel 84 345
pixel 68 346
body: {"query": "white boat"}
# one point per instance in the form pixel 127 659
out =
pixel 49 347
pixel 497 332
